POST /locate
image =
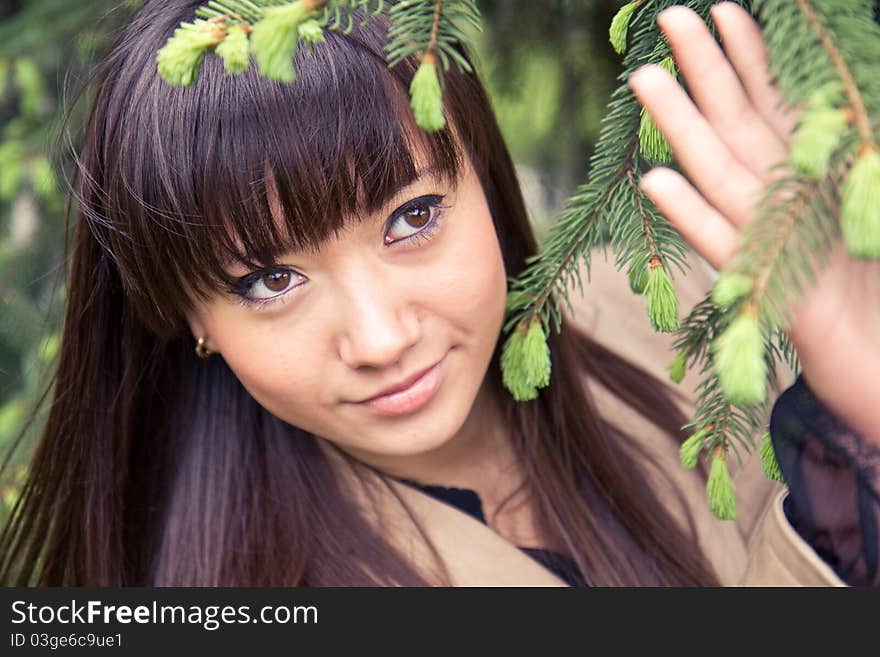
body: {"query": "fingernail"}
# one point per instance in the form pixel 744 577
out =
pixel 671 11
pixel 647 180
pixel 653 180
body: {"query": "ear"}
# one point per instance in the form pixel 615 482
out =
pixel 196 324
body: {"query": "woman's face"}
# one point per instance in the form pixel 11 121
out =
pixel 419 283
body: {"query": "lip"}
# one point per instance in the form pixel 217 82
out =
pixel 410 395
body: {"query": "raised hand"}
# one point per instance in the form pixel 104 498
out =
pixel 727 136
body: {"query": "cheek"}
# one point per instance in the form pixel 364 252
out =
pixel 281 369
pixel 476 281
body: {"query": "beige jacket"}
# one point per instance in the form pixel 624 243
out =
pixel 759 548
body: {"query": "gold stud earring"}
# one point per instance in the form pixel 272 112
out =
pixel 201 350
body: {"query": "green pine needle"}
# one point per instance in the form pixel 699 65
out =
pixel 730 288
pixel 427 97
pixel 662 301
pixel 739 360
pixel 234 50
pixel 620 26
pixel 719 490
pixel 274 39
pixel 768 460
pixel 525 362
pixel 860 212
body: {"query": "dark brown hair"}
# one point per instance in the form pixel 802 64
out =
pixel 158 468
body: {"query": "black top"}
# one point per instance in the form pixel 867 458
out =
pixel 468 501
pixel 833 479
pixel 821 459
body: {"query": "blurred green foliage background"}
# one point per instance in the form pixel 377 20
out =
pixel 547 63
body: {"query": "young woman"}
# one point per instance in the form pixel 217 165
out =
pixel 280 361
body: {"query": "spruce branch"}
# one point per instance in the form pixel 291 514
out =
pixel 719 487
pixel 831 66
pixel 609 203
pixel 714 410
pixel 861 119
pixel 270 30
pixel 534 292
pixel 649 233
pixel 423 26
pixel 430 31
pixel 818 54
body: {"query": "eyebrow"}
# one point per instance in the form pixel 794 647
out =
pixel 431 172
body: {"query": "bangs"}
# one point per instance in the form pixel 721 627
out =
pixel 244 169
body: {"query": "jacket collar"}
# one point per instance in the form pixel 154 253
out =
pixel 473 554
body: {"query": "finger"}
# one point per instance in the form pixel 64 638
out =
pixel 719 94
pixel 704 228
pixel 744 46
pixel 722 179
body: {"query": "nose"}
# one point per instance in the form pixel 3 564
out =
pixel 379 322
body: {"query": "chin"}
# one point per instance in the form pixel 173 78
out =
pixel 423 431
pixel 418 435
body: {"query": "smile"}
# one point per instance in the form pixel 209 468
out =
pixel 407 400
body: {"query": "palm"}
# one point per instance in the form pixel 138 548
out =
pixel 728 138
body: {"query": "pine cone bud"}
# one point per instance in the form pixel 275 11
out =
pixel 311 32
pixel 860 211
pixel 730 288
pixel 525 362
pixel 768 460
pixel 719 488
pixel 620 26
pixel 274 38
pixel 427 97
pixel 179 59
pixel 234 50
pixel 662 300
pixel 652 142
pixel 739 360
pixel 638 279
pixel 816 139
pixel 689 452
pixel 677 367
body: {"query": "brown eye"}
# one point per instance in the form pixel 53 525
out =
pixel 415 218
pixel 272 284
pixel 418 216
pixel 277 281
